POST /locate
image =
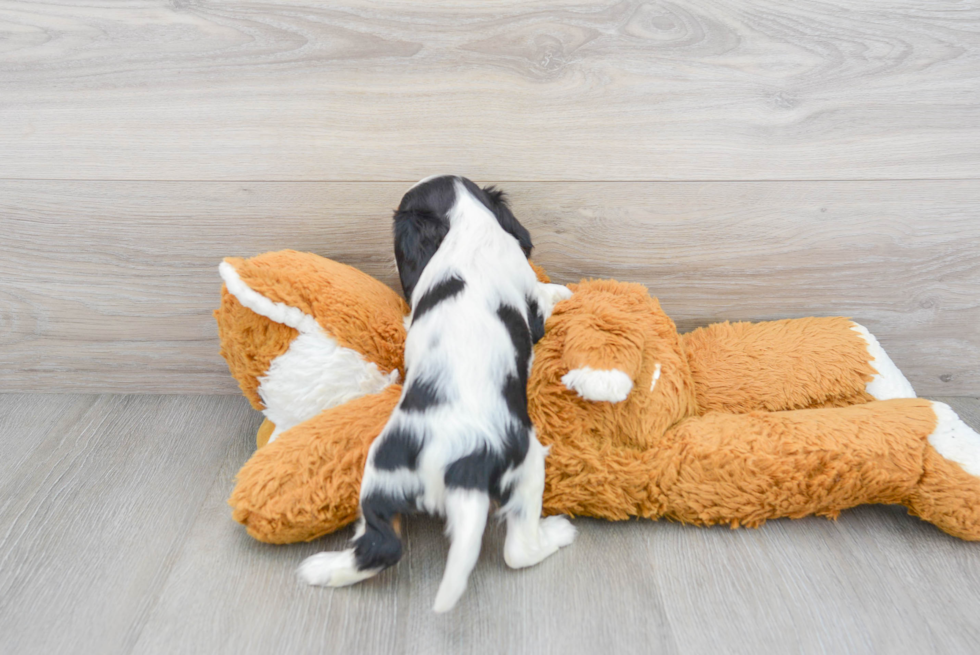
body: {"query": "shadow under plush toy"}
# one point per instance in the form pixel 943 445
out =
pixel 734 423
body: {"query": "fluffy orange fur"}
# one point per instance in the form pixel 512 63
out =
pixel 808 362
pixel 746 422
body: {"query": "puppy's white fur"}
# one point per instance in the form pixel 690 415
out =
pixel 462 347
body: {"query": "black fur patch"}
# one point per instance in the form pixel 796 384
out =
pixel 380 546
pixel 475 471
pixel 502 496
pixel 516 443
pixel 535 320
pixel 515 386
pixel 421 395
pixel 420 224
pixel 520 336
pixel 399 449
pixel 515 395
pixel 442 291
pixel 482 470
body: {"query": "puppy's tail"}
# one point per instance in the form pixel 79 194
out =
pixel 466 518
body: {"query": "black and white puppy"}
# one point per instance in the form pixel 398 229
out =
pixel 460 437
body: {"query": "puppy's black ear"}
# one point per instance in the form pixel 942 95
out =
pixel 506 218
pixel 418 234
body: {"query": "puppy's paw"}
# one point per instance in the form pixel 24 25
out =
pixel 550 295
pixel 523 549
pixel 558 531
pixel 555 292
pixel 337 569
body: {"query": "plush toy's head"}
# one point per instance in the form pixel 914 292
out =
pixel 302 333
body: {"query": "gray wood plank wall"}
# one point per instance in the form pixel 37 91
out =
pixel 746 159
pixel 543 90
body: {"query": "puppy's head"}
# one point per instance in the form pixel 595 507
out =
pixel 422 222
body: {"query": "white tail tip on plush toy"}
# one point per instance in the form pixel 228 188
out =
pixel 889 382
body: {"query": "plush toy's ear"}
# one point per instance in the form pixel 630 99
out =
pixel 418 233
pixel 506 218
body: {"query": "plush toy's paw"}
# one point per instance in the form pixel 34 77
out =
pixel 336 569
pixel 888 382
pixel 613 385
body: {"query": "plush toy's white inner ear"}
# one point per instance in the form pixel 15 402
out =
pixel 315 373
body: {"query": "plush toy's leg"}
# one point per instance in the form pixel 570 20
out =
pixel 791 364
pixel 948 494
pixel 530 538
pixel 307 482
pixel 744 469
pixel 748 468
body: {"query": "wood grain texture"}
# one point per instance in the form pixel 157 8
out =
pixel 166 570
pixel 92 519
pixel 109 286
pixel 877 580
pixel 545 90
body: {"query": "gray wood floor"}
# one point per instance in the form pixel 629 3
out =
pixel 115 538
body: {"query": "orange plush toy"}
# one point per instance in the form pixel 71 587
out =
pixel 734 423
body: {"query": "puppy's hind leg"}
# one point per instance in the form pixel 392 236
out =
pixel 530 539
pixel 376 546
